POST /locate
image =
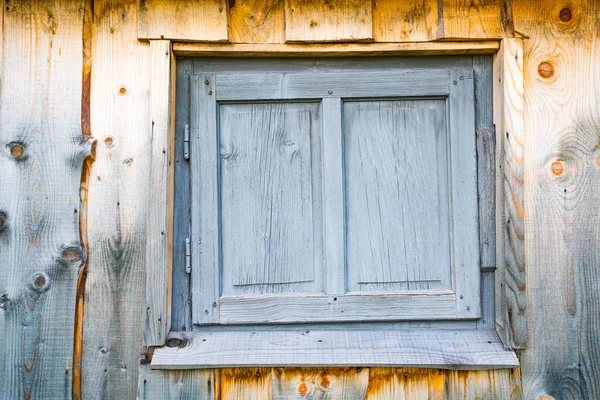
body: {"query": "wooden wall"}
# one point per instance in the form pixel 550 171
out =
pixel 73 226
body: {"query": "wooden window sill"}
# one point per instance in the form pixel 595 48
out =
pixel 423 348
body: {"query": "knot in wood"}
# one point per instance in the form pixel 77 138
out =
pixel 302 389
pixel 565 14
pixel 546 70
pixel 3 219
pixel 175 342
pixel 72 254
pixel 39 282
pixel 558 168
pixel 17 150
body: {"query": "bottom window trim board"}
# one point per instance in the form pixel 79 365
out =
pixel 422 348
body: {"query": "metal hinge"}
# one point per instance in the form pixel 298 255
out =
pixel 186 142
pixel 188 256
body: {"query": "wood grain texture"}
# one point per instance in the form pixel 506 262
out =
pixel 447 349
pixel 303 85
pixel 465 19
pixel 396 165
pixel 328 21
pixel 118 196
pixel 510 277
pixel 486 160
pixel 175 385
pixel 181 313
pixel 333 50
pixel 374 306
pixel 367 383
pixel 257 21
pixel 159 221
pixel 562 199
pixel 399 21
pixel 42 150
pixel 204 162
pixel 183 20
pixel 271 163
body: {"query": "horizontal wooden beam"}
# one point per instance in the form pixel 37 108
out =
pixel 424 348
pixel 334 50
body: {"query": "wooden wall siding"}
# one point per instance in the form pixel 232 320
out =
pixel 399 21
pixel 328 20
pixel 203 21
pixel 159 243
pixel 562 198
pixel 511 318
pixel 366 383
pixel 41 155
pixel 184 385
pixel 39 85
pixel 466 19
pixel 257 21
pixel 118 194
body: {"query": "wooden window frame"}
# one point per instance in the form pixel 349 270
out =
pixel 508 115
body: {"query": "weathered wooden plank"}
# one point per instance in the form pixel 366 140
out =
pixel 488 385
pixel 175 385
pixel 465 19
pixel 486 160
pixel 202 21
pixel 375 306
pixel 463 175
pixel 271 165
pixel 396 188
pixel 334 50
pixel 118 194
pixel 447 349
pixel 327 21
pixel 510 226
pixel 399 21
pixel 159 223
pixel 205 203
pixel 367 383
pixel 333 197
pixel 562 199
pixel 181 301
pixel 257 21
pixel 301 85
pixel 42 151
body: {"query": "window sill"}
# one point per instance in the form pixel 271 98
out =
pixel 445 349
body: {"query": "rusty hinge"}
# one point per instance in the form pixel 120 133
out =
pixel 186 142
pixel 188 256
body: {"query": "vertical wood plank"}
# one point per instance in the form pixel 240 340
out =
pixel 175 385
pixel 510 252
pixel 562 198
pixel 257 21
pixel 484 385
pixel 333 197
pixel 42 150
pixel 159 244
pixel 201 21
pixel 465 19
pixel 464 200
pixel 181 301
pixel 399 21
pixel 328 21
pixel 118 196
pixel 204 148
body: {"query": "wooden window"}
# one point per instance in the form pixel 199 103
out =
pixel 332 192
